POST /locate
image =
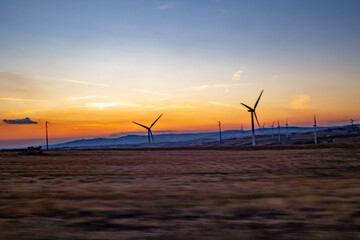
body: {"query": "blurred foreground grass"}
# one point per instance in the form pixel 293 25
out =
pixel 185 194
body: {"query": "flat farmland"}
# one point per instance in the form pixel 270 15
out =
pixel 181 194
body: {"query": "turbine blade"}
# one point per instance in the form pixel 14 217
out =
pixel 257 120
pixel 247 106
pixel 152 136
pixel 155 121
pixel 258 99
pixel 140 125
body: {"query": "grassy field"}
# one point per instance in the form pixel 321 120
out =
pixel 181 194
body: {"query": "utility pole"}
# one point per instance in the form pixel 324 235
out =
pixel 47 136
pixel 220 132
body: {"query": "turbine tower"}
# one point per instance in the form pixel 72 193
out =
pixel 315 137
pixel 287 132
pixel 220 131
pixel 272 129
pixel 47 136
pixel 149 128
pixel 252 111
pixel 352 123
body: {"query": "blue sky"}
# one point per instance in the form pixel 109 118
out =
pixel 86 60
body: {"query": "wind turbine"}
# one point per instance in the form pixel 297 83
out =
pixel 279 131
pixel 272 129
pixel 352 123
pixel 287 132
pixel 149 128
pixel 315 137
pixel 220 131
pixel 252 111
pixel 47 136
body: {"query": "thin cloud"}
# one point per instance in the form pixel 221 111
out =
pixel 300 102
pixel 178 106
pixel 204 87
pixel 102 105
pixel 19 121
pixel 237 75
pixel 87 97
pixel 19 99
pixel 154 93
pixel 87 83
pixel 165 5
pixel 226 105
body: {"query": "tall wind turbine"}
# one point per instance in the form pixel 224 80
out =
pixel 272 129
pixel 252 111
pixel 149 128
pixel 287 132
pixel 315 137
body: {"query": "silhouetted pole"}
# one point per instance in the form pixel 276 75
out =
pixel 47 136
pixel 279 132
pixel 220 131
pixel 352 123
pixel 315 136
pixel 272 129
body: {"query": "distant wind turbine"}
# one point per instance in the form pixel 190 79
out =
pixel 279 131
pixel 252 111
pixel 287 132
pixel 352 123
pixel 315 136
pixel 47 136
pixel 220 131
pixel 149 128
pixel 272 129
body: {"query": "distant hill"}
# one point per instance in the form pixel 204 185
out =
pixel 182 139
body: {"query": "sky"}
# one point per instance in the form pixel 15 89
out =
pixel 91 67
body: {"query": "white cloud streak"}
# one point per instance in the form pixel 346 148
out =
pixel 87 83
pixel 19 100
pixel 165 5
pixel 87 97
pixel 300 102
pixel 237 75
pixel 221 85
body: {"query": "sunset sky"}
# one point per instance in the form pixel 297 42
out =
pixel 90 67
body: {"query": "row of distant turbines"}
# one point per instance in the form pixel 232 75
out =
pixel 250 109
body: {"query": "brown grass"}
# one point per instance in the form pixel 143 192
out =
pixel 188 194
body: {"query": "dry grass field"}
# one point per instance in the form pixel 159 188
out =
pixel 181 194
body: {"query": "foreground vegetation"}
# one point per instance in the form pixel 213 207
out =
pixel 182 194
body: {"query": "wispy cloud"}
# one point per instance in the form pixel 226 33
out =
pixel 237 75
pixel 153 93
pixel 300 102
pixel 165 5
pixel 19 99
pixel 87 97
pixel 221 85
pixel 102 105
pixel 226 105
pixel 179 106
pixel 87 83
pixel 26 112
